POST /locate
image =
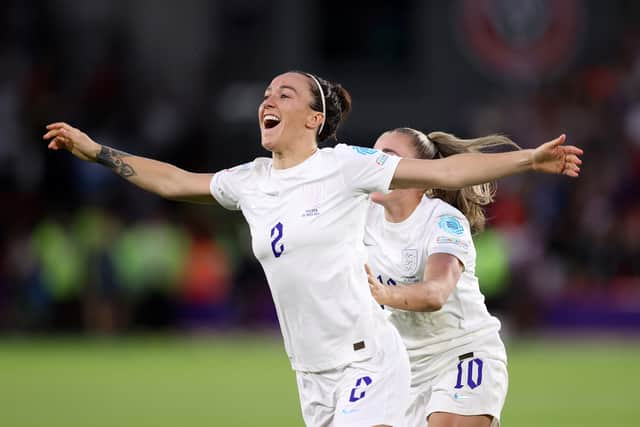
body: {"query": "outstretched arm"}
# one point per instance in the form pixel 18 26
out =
pixel 161 178
pixel 463 170
pixel 441 274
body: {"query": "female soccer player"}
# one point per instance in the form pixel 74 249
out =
pixel 421 245
pixel 306 210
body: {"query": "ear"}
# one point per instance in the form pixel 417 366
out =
pixel 314 120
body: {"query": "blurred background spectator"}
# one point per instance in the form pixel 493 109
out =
pixel 81 250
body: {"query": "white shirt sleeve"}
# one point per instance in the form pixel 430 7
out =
pixel 451 235
pixel 226 186
pixel 366 169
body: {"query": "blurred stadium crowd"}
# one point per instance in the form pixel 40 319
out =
pixel 80 250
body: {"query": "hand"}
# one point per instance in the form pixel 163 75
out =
pixel 381 293
pixel 553 157
pixel 61 135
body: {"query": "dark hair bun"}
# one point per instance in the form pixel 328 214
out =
pixel 344 100
pixel 337 101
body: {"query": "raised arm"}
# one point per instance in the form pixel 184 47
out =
pixel 161 178
pixel 462 170
pixel 441 274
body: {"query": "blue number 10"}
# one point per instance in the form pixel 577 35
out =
pixel 474 366
pixel 390 282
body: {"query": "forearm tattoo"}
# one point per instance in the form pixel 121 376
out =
pixel 113 159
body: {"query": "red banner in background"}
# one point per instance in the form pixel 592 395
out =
pixel 520 39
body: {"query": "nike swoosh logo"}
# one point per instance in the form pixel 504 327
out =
pixel 460 396
pixel 349 411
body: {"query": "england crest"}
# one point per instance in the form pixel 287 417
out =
pixel 409 262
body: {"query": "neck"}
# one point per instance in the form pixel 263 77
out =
pixel 288 158
pixel 402 206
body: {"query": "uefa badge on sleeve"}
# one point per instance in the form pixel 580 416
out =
pixel 451 225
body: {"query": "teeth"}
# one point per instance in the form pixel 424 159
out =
pixel 271 117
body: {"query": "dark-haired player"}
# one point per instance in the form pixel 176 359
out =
pixel 306 210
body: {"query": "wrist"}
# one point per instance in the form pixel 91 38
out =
pixel 390 297
pixel 94 151
pixel 526 161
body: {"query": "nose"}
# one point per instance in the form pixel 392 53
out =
pixel 268 101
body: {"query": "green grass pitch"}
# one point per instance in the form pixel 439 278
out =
pixel 246 381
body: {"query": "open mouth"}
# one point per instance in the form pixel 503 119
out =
pixel 270 121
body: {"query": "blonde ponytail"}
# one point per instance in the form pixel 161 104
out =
pixel 469 200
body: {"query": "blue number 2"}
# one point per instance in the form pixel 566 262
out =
pixel 276 236
pixel 361 384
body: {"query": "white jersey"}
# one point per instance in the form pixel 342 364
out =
pixel 397 256
pixel 307 227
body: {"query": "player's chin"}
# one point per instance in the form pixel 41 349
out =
pixel 378 197
pixel 271 138
pixel 268 144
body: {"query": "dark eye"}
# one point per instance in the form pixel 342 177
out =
pixel 264 98
pixel 284 96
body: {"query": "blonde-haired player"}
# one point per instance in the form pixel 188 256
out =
pixel 422 269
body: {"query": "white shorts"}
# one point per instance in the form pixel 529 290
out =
pixel 365 393
pixel 470 380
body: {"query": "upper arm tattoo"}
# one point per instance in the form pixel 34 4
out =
pixel 113 159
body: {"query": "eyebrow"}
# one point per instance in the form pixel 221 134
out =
pixel 283 87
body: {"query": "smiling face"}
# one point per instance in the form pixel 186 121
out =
pixel 285 113
pixel 401 145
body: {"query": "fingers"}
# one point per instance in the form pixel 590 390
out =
pixel 59 130
pixel 572 158
pixel 54 133
pixel 372 281
pixel 58 136
pixel 571 169
pixel 570 149
pixel 368 270
pixel 57 143
pixel 57 125
pixel 572 166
